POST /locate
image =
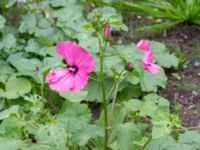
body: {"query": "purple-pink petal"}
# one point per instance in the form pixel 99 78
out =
pixel 60 80
pixel 66 49
pixel 148 56
pixel 144 45
pixel 84 60
pixel 148 64
pixel 80 81
pixel 152 68
pixel 76 56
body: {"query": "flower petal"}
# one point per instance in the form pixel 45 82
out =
pixel 80 81
pixel 148 56
pixel 76 56
pixel 144 45
pixel 60 80
pixel 67 50
pixel 152 68
pixel 84 60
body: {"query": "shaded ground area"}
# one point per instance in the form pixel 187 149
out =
pixel 183 84
pixel 186 90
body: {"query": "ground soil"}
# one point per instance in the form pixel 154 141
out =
pixel 184 89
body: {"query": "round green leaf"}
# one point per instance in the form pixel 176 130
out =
pixel 2 21
pixel 75 96
pixel 16 87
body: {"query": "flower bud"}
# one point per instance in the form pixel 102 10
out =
pixel 107 30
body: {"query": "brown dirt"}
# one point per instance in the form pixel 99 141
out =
pixel 185 91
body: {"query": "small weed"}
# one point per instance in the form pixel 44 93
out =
pixel 181 55
pixel 177 107
pixel 198 51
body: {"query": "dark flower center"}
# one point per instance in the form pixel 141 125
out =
pixel 73 69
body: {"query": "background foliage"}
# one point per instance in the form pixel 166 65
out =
pixel 35 118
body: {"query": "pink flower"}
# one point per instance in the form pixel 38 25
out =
pixel 107 30
pixel 79 64
pixel 148 64
pixel 144 45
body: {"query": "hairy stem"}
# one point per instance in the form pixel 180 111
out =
pixel 114 99
pixel 113 105
pixel 103 94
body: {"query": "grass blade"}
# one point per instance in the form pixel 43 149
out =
pixel 158 27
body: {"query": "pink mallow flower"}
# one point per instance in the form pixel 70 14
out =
pixel 148 64
pixel 107 30
pixel 75 76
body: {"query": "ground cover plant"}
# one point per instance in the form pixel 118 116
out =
pixel 66 84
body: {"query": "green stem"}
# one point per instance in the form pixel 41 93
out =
pixel 93 78
pixel 113 106
pixel 118 81
pixel 103 94
pixel 42 89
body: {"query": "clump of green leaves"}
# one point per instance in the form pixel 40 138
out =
pixel 181 55
pixel 171 12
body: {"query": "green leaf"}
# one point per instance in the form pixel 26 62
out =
pixel 150 82
pixel 53 136
pixel 161 126
pixel 5 71
pixel 10 144
pixel 88 42
pixel 142 142
pixel 15 88
pixel 51 62
pixel 74 117
pixel 118 116
pixel 161 26
pixel 130 53
pixel 2 21
pixel 94 90
pixel 126 134
pixel 29 67
pixel 28 24
pixel 34 47
pixel 85 133
pixel 133 77
pixel 7 112
pixel 162 56
pixel 165 143
pixel 189 140
pixel 166 60
pixel 58 3
pixel 45 41
pixel 154 105
pixel 130 91
pixel 9 41
pixel 74 96
pixel 11 3
pixel 11 127
pixel 197 21
pixel 113 63
pixel 133 105
pixel 74 111
pixel 138 8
